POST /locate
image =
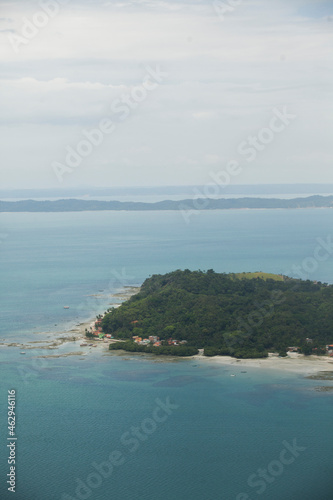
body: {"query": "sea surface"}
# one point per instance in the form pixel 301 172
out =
pixel 175 430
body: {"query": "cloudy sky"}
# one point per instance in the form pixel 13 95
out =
pixel 150 92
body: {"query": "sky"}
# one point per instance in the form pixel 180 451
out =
pixel 156 92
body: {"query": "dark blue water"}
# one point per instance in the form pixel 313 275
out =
pixel 224 437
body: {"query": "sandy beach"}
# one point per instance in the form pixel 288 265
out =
pixel 296 363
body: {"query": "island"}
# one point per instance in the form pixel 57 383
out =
pixel 243 315
pixel 187 205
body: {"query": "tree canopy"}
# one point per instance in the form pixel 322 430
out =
pixel 242 315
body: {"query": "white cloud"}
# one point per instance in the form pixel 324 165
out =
pixel 224 79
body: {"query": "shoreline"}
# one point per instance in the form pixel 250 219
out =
pixel 58 339
pixel 294 363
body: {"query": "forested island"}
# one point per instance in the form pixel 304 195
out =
pixel 77 205
pixel 245 315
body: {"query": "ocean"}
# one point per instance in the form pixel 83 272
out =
pixel 129 427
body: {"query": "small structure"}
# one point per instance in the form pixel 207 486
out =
pixel 153 338
pixel 293 349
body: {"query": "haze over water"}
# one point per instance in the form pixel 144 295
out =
pixel 73 412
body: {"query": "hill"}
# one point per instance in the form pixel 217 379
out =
pixel 243 315
pixel 77 205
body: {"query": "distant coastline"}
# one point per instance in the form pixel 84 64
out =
pixel 186 205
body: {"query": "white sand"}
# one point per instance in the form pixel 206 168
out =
pixel 296 363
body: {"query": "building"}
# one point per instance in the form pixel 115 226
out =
pixel 293 349
pixel 153 338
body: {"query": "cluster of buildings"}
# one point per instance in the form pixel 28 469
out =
pixel 150 340
pixel 97 331
pixel 329 348
pixel 156 342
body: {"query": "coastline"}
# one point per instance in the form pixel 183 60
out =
pixel 64 341
pixel 295 363
pixel 66 337
pixel 78 332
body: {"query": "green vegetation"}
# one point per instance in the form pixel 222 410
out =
pixel 163 350
pixel 74 205
pixel 227 315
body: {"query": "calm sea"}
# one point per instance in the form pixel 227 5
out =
pixel 175 430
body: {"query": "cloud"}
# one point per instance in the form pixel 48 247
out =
pixel 224 79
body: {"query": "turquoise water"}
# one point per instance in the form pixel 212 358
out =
pixel 52 260
pixel 75 411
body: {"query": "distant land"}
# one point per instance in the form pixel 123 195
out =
pixel 79 205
